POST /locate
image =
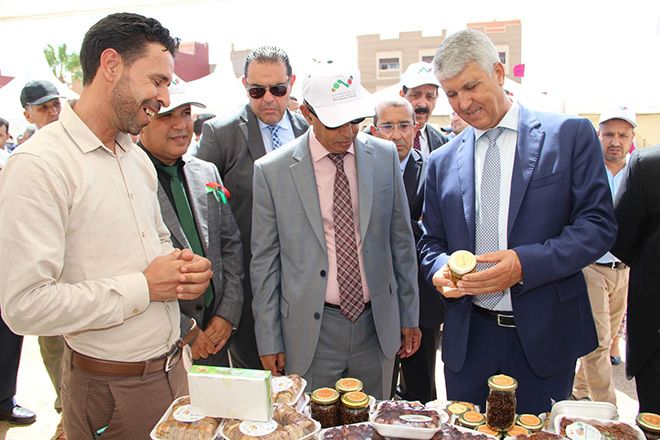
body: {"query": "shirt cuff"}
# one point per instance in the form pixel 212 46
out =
pixel 135 290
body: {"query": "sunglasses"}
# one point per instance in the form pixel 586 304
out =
pixel 278 90
pixel 353 122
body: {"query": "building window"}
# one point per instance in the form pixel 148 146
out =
pixel 503 53
pixel 426 55
pixel 428 59
pixel 502 56
pixel 389 64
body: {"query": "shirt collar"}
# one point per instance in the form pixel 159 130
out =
pixel 318 151
pixel 84 138
pixel 283 123
pixel 404 162
pixel 509 121
pixel 157 162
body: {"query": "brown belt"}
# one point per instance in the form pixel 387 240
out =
pixel 113 368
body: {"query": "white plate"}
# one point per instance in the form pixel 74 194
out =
pixel 167 415
pixel 311 435
pixel 302 404
pixel 582 408
pixel 557 424
pixel 298 395
pixel 407 432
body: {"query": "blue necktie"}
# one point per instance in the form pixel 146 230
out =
pixel 275 140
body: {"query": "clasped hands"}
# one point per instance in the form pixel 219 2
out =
pixel 211 340
pixel 506 272
pixel 179 275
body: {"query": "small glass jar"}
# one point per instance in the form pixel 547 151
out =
pixel 501 402
pixel 515 431
pixel 354 408
pixel 456 409
pixel 471 419
pixel 348 385
pixel 530 422
pixel 649 423
pixel 325 407
pixel 485 429
pixel 461 263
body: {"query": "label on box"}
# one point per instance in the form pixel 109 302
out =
pixel 415 418
pixel 186 414
pixel 281 383
pixel 257 429
pixel 582 431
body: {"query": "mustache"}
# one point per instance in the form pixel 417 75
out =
pixel 422 110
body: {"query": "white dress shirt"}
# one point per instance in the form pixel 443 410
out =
pixel 285 133
pixel 507 143
pixel 81 224
pixel 424 141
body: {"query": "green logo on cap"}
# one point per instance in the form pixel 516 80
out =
pixel 424 69
pixel 340 83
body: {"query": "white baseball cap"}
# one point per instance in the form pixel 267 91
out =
pixel 619 112
pixel 336 94
pixel 179 97
pixel 418 74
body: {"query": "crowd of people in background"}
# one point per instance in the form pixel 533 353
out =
pixel 291 237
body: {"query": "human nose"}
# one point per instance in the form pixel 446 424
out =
pixel 163 96
pixel 464 101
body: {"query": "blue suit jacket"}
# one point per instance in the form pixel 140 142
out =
pixel 560 220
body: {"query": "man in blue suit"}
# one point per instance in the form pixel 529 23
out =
pixel 527 193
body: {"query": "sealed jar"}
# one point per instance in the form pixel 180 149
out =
pixel 516 431
pixel 650 424
pixel 325 407
pixel 471 419
pixel 461 263
pixel 530 422
pixel 485 429
pixel 354 408
pixel 348 385
pixel 501 402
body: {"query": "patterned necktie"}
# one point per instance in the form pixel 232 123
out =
pixel 487 227
pixel 275 139
pixel 417 144
pixel 351 300
pixel 186 218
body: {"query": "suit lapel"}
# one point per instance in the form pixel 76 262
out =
pixel 465 164
pixel 528 148
pixel 411 175
pixel 364 159
pixel 250 129
pixel 297 125
pixel 170 218
pixel 198 199
pixel 305 182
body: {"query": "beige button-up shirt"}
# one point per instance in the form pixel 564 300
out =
pixel 78 225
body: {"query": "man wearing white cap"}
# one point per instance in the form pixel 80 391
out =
pixel 198 218
pixel 420 87
pixel 334 265
pixel 607 278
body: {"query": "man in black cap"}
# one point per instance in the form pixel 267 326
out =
pixel 41 103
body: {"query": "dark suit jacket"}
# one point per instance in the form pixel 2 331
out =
pixel 431 307
pixel 560 220
pixel 637 209
pixel 220 239
pixel 436 139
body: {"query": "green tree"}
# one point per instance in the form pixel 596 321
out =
pixel 65 65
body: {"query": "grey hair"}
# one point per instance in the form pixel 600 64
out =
pixel 461 48
pixel 268 54
pixel 394 102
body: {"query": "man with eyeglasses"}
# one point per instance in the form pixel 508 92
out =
pixel 395 121
pixel 420 87
pixel 234 143
pixel 334 266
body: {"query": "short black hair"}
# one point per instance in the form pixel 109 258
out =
pixel 268 54
pixel 201 118
pixel 126 33
pixel 5 123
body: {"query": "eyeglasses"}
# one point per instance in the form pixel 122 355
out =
pixel 353 122
pixel 403 127
pixel 278 90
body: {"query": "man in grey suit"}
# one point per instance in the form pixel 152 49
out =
pixel 233 144
pixel 334 268
pixel 198 218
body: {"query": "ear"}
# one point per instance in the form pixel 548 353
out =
pixel 306 113
pixel 292 80
pixel 372 130
pixel 111 65
pixel 244 81
pixel 28 116
pixel 499 72
pixel 401 94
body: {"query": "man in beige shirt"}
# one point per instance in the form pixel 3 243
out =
pixel 79 208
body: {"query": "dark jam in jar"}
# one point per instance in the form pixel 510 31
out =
pixel 501 402
pixel 325 407
pixel 354 408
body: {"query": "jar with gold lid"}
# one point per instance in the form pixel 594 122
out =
pixel 461 263
pixel 501 402
pixel 530 422
pixel 324 406
pixel 471 419
pixel 348 384
pixel 354 408
pixel 650 424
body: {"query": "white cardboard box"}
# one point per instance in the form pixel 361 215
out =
pixel 232 393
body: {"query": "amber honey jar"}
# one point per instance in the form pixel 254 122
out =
pixel 501 402
pixel 354 408
pixel 461 263
pixel 325 407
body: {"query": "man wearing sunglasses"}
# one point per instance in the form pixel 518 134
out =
pixel 334 267
pixel 234 143
pixel 395 121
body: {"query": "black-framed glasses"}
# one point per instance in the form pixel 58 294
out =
pixel 388 128
pixel 278 90
pixel 353 122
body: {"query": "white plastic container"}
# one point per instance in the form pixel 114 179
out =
pixel 581 408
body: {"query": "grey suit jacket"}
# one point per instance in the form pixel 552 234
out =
pixel 220 239
pixel 289 262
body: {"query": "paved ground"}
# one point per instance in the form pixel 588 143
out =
pixel 36 392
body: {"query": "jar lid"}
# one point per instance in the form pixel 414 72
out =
pixel 649 421
pixel 325 396
pixel 462 262
pixel 457 408
pixel 355 399
pixel 502 382
pixel 472 419
pixel 348 384
pixel 485 429
pixel 529 421
pixel 516 430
